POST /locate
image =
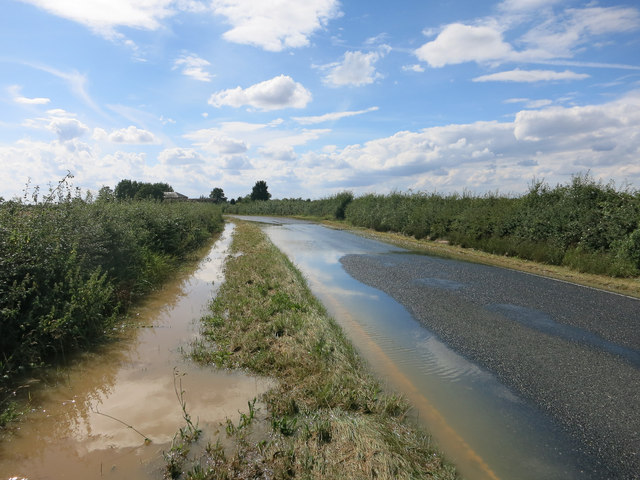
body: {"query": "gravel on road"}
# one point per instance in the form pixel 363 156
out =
pixel 573 351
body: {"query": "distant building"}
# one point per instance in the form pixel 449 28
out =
pixel 175 197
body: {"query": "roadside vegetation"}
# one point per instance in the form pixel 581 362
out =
pixel 332 207
pixel 71 266
pixel 585 225
pixel 327 417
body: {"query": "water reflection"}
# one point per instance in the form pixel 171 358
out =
pixel 131 381
pixel 487 430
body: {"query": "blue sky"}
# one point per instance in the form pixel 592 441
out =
pixel 319 96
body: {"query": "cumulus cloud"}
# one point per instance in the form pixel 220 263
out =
pixel 458 43
pixel 332 117
pixel 223 145
pixel 67 128
pixel 568 123
pixel 179 156
pixel 281 153
pixel 236 162
pixel 356 68
pixel 275 26
pixel 194 67
pixel 103 17
pixel 531 76
pixel 552 35
pixel 130 135
pixel 277 93
pixel 552 143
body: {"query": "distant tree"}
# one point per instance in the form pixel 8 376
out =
pixel 217 195
pixel 127 189
pixel 260 191
pixel 105 194
pixel 233 201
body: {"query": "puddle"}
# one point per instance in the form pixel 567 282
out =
pixel 486 430
pixel 69 435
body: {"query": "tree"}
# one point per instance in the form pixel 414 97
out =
pixel 105 194
pixel 217 195
pixel 140 190
pixel 259 191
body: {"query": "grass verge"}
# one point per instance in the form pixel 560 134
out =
pixel 327 417
pixel 623 286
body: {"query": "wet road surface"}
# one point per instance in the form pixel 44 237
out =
pixel 517 376
pixel 571 350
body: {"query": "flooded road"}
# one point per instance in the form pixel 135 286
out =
pixel 77 427
pixel 488 429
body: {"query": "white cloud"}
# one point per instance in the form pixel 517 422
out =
pixel 77 83
pixel 275 25
pixel 277 93
pixel 572 124
pixel 194 67
pixel 528 103
pixel 560 35
pixel 554 35
pixel 15 91
pixel 179 156
pixel 526 5
pixel 236 162
pixel 416 67
pixel 530 76
pixel 130 135
pixel 356 68
pixel 553 143
pixel 65 126
pixel 331 117
pixel 222 144
pixel 104 16
pixel 281 153
pixel 458 43
pixel 287 139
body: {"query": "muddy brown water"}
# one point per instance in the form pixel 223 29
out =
pixel 68 435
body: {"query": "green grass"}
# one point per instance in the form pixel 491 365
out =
pixel 327 416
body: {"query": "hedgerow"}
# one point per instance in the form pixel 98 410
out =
pixel 585 225
pixel 69 267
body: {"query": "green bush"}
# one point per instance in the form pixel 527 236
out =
pixel 333 207
pixel 70 267
pixel 585 225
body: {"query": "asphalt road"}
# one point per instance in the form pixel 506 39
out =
pixel 572 351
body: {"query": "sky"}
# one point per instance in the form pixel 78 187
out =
pixel 319 96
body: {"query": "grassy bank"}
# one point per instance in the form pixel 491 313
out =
pixel 69 268
pixel 327 417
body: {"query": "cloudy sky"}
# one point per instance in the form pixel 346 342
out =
pixel 319 96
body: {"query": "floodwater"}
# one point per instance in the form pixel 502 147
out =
pixel 77 429
pixel 487 431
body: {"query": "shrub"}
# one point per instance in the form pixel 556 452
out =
pixel 69 267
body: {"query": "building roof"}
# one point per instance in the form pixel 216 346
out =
pixel 173 195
